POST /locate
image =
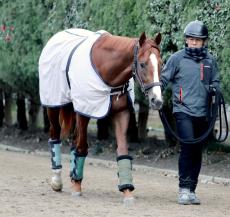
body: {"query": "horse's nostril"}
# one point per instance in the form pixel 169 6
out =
pixel 156 104
pixel 153 101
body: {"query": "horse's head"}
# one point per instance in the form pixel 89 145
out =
pixel 146 69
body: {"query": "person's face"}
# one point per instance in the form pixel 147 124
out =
pixel 194 42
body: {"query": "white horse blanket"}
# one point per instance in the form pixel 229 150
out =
pixel 67 58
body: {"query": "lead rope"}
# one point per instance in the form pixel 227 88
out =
pixel 222 104
pixel 219 100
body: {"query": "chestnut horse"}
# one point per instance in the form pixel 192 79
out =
pixel 115 60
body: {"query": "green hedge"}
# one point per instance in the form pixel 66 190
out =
pixel 35 21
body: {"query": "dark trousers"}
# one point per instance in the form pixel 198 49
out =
pixel 190 158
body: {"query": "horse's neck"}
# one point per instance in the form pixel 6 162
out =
pixel 113 57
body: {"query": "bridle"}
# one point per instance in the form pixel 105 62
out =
pixel 137 68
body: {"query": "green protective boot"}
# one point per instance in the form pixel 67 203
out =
pixel 125 172
pixel 55 150
pixel 76 165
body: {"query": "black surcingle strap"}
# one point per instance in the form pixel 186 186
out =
pixel 120 90
pixel 69 61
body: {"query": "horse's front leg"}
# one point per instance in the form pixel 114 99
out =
pixel 79 151
pixel 55 148
pixel 124 161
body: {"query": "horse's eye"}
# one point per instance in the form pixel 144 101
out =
pixel 142 65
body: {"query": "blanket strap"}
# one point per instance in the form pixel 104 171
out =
pixel 69 61
pixel 120 89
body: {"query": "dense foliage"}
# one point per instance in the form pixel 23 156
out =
pixel 27 25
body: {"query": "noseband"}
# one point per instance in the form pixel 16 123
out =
pixel 136 72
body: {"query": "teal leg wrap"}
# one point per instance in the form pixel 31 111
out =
pixel 77 162
pixel 125 172
pixel 55 150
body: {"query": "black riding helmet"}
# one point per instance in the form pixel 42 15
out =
pixel 196 29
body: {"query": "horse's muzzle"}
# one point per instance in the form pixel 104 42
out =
pixel 156 104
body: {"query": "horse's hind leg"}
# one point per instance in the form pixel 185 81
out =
pixel 67 120
pixel 124 161
pixel 79 151
pixel 55 148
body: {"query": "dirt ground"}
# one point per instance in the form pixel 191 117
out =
pixel 25 191
pixel 25 174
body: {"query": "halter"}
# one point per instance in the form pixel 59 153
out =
pixel 136 70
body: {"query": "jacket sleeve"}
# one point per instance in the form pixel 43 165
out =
pixel 168 72
pixel 215 75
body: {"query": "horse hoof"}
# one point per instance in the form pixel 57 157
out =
pixel 56 187
pixel 56 184
pixel 129 201
pixel 76 194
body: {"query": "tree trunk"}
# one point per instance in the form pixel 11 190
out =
pixel 142 121
pixel 33 114
pixel 1 108
pixel 21 113
pixel 8 109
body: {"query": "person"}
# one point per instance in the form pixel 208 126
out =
pixel 191 72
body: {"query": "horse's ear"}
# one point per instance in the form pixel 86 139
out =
pixel 142 38
pixel 157 38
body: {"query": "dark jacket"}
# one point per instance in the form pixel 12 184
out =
pixel 190 82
